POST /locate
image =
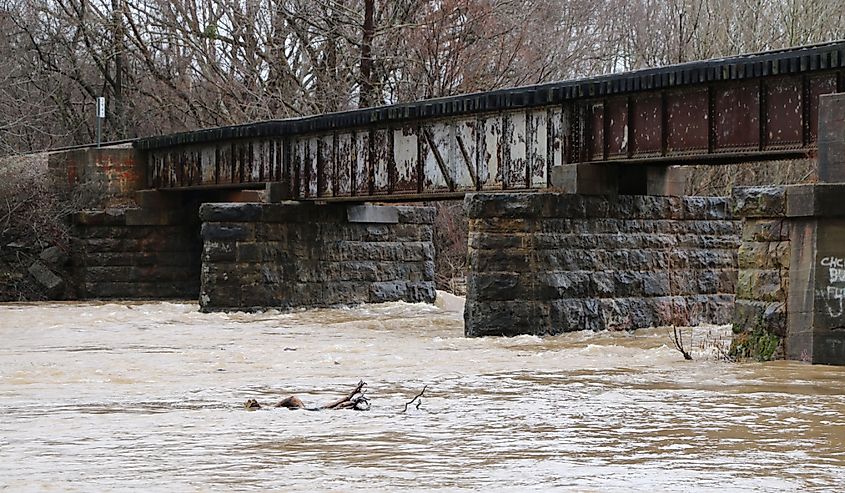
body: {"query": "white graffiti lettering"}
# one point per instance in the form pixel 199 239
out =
pixel 833 262
pixel 837 275
pixel 834 300
pixel 834 296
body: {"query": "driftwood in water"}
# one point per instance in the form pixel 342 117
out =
pixel 678 339
pixel 354 400
pixel 417 398
pixel 291 402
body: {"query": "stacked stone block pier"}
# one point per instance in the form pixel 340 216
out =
pixel 548 263
pixel 258 256
pixel 765 253
pixel 792 271
pixel 136 253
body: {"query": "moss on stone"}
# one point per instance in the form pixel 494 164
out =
pixel 758 344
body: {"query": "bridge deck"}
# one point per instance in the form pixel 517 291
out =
pixel 749 107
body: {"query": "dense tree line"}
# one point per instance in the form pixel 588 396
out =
pixel 170 65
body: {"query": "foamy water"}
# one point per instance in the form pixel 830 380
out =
pixel 97 397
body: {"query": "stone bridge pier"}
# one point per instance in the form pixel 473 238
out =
pixel 235 256
pixel 549 263
pixel 792 257
pixel 232 249
pixel 293 254
pixel 769 260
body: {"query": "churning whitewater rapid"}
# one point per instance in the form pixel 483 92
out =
pixel 98 397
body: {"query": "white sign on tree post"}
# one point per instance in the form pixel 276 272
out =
pixel 101 114
pixel 101 107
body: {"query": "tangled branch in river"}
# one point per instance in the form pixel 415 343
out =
pixel 354 400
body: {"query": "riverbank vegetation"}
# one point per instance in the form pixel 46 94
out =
pixel 34 231
pixel 450 247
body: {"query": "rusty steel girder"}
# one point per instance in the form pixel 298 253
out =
pixel 734 109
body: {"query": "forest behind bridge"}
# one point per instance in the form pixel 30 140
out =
pixel 167 66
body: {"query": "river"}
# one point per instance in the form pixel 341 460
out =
pixel 149 396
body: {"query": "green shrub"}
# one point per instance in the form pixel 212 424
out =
pixel 758 344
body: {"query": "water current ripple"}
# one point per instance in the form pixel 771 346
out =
pixel 149 396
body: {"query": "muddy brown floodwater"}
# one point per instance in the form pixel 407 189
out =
pixel 99 397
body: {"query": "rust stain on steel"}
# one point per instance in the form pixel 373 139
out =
pixel 279 159
pixel 256 164
pixel 227 170
pixel 514 145
pixel 489 169
pixel 263 158
pixel 405 155
pixel 153 172
pixel 345 158
pixel 325 166
pixel 361 170
pixel 432 177
pixel 189 160
pixel 298 164
pixel 380 156
pixel 461 162
pixel 647 125
pixel 687 125
pixel 169 171
pixel 555 138
pixel 436 143
pixel 208 164
pixel 595 132
pixel 784 107
pixel 237 163
pixel 468 162
pixel 617 127
pixel 246 156
pixel 311 166
pixel 537 148
pixel 737 116
pixel 271 161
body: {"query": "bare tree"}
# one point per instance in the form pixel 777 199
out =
pixel 170 65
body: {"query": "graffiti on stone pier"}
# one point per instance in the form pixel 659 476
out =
pixel 834 293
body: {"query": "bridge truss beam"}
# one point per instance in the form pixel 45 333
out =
pixel 753 107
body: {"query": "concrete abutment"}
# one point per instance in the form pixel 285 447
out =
pixel 613 179
pixel 791 288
